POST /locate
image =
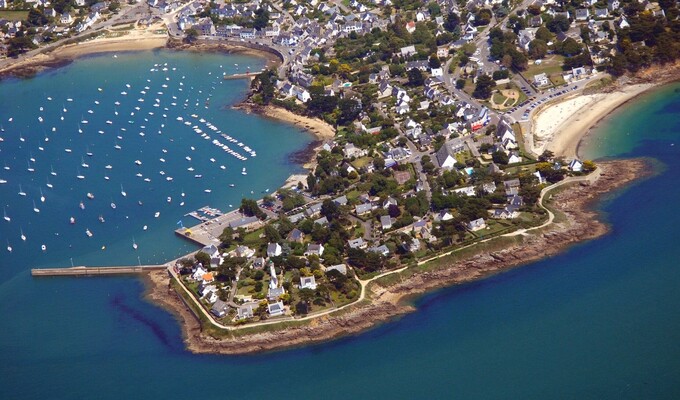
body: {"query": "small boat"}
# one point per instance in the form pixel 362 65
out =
pixel 23 237
pixel 108 166
pixel 169 199
pixel 138 162
pixel 145 227
pixel 21 192
pixel 243 171
pixel 49 185
pixel 101 219
pixel 83 163
pixel 68 150
pixel 43 247
pixel 42 196
pixel 35 209
pixel 9 248
pixel 122 191
pixel 231 185
pixel 157 214
pixel 207 190
pixel 72 221
pixel 81 205
pixel 90 196
pixel 113 205
pixel 52 171
pixel 134 244
pixel 4 212
pixel 88 233
pixel 2 181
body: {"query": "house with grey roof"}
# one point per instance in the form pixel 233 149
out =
pixel 476 224
pixel 363 209
pixel 276 309
pixel 219 309
pixel 341 268
pixel 385 222
pixel 314 249
pixel 247 310
pixel 359 243
pixel 273 250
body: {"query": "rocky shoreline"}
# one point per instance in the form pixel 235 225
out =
pixel 581 223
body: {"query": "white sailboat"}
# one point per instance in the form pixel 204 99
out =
pixel 113 205
pixel 42 196
pixel 52 171
pixel 49 185
pixel 21 192
pixel 88 233
pixel 35 209
pixel 122 191
pixel 134 244
pixel 80 176
pixel 4 212
pixel 23 237
pixel 83 163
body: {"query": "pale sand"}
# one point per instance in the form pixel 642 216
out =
pixel 321 129
pixel 560 127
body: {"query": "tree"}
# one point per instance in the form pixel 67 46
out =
pixel 191 35
pixel 203 258
pixel 452 22
pixel 570 47
pixel 543 34
pixel 499 157
pixel 460 84
pixel 250 208
pixel 227 236
pixel 272 234
pixel 434 62
pixel 537 49
pixel 330 209
pixel 588 166
pixel 546 156
pixel 263 84
pixel 559 24
pixel 415 77
pixel 261 18
pixel 484 86
pixel 349 111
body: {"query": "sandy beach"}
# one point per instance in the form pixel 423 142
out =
pixel 321 129
pixel 560 127
pixel 581 223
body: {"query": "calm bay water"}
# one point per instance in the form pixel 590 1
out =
pixel 598 321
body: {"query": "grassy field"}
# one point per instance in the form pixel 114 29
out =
pixel 550 65
pixel 13 15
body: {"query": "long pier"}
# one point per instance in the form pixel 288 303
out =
pixel 96 271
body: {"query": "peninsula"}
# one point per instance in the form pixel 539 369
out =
pixel 448 146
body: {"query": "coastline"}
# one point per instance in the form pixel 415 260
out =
pixel 579 222
pixel 322 131
pixel 563 126
pixel 136 40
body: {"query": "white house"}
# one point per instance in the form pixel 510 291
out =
pixel 307 282
pixel 576 166
pixel 273 250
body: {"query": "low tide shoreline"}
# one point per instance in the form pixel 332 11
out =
pixel 135 41
pixel 387 300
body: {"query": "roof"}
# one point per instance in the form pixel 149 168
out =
pixel 342 268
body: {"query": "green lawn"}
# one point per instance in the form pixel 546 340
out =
pixel 550 65
pixel 13 15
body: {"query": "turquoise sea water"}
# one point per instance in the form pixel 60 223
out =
pixel 599 321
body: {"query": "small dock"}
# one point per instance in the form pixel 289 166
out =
pixel 96 271
pixel 246 75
